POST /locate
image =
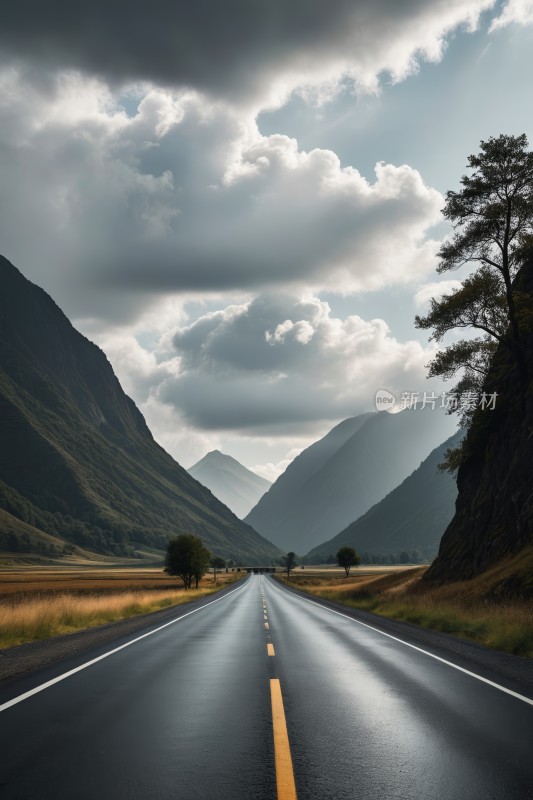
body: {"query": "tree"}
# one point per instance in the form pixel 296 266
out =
pixel 217 563
pixel 290 562
pixel 492 216
pixel 347 558
pixel 187 558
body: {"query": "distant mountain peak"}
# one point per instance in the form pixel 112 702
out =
pixel 237 486
pixel 338 478
pixel 218 455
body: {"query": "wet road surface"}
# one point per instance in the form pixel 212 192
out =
pixel 262 694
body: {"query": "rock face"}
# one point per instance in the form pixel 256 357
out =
pixel 237 487
pixel 411 518
pixel 494 510
pixel 76 457
pixel 340 477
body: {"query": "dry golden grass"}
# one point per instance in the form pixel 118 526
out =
pixel 466 609
pixel 43 615
pixel 27 581
pixel 49 580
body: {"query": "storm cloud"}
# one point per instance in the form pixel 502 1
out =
pixel 242 51
pixel 138 185
pixel 182 196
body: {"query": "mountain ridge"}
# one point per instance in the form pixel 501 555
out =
pixel 366 459
pixel 76 456
pixel 412 517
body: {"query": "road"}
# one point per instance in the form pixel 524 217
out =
pixel 188 712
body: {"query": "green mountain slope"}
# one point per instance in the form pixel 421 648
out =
pixel 76 457
pixel 412 517
pixel 235 485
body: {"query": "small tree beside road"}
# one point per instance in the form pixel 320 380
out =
pixel 217 563
pixel 290 562
pixel 347 558
pixel 188 558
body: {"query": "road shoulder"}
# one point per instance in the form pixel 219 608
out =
pixel 513 672
pixel 26 659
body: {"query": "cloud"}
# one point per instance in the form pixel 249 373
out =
pixel 184 197
pixel 252 52
pixel 435 289
pixel 272 471
pixel 249 367
pixel 519 12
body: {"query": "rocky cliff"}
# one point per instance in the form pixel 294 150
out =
pixel 494 511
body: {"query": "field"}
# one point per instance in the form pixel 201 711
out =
pixel 468 609
pixel 37 603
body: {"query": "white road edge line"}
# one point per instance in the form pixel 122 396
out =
pixel 62 677
pixel 522 697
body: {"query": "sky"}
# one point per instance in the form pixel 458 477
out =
pixel 240 203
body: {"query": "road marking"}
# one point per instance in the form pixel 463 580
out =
pixel 282 751
pixel 43 686
pixel 265 616
pixel 522 697
pixel 266 628
pixel 270 649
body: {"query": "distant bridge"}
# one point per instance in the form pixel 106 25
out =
pixel 259 570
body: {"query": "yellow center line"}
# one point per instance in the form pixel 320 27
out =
pixel 270 649
pixel 266 626
pixel 265 616
pixel 282 751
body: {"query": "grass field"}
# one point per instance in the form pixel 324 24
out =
pixel 461 609
pixel 48 580
pixel 41 603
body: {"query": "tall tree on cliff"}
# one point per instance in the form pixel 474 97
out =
pixel 492 217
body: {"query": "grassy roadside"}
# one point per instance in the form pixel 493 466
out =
pixel 44 615
pixel 455 609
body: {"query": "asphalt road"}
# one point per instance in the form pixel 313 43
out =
pixel 189 710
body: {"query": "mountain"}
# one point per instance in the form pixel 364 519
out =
pixel 493 522
pixel 285 491
pixel 237 487
pixel 76 457
pixel 339 478
pixel 411 518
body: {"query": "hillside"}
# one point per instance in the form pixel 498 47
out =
pixel 77 460
pixel 339 478
pixel 494 512
pixel 411 519
pixel 237 487
pixel 278 502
